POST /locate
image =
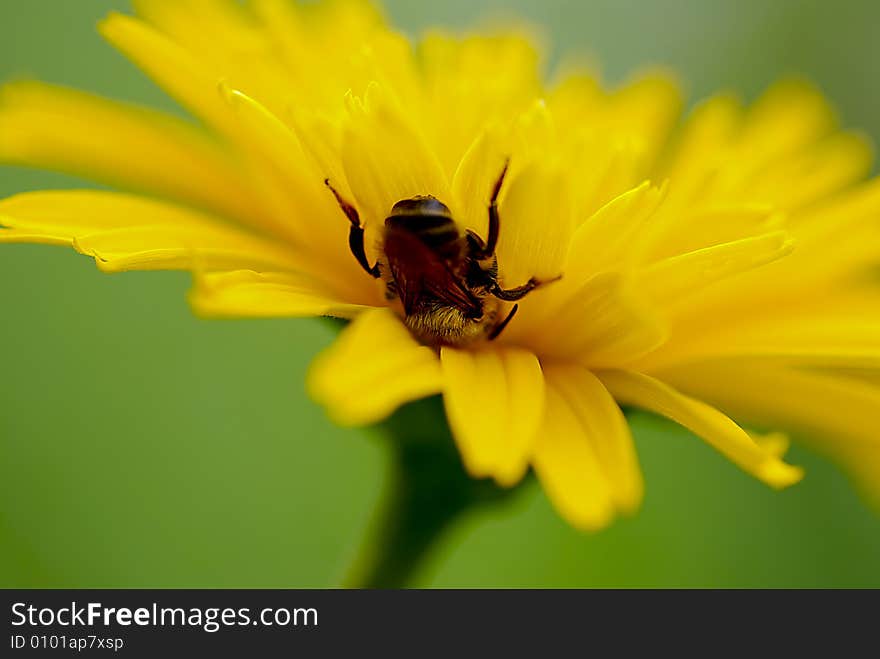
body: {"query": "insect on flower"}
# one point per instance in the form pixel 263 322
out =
pixel 446 281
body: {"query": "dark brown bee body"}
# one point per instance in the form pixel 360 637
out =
pixel 446 280
pixel 429 220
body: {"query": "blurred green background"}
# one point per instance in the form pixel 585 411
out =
pixel 140 446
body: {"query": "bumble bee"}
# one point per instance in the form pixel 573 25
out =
pixel 447 281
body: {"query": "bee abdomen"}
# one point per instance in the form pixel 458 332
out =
pixel 441 324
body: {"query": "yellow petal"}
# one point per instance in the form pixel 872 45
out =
pixel 776 443
pixel 126 232
pixel 568 468
pixel 715 428
pixel 363 50
pixel 188 79
pixel 309 213
pixel 829 166
pixel 494 401
pixel 835 415
pixel 227 38
pixel 612 138
pixel 249 294
pixel 171 67
pixel 788 121
pixel 670 281
pixel 179 248
pixel 601 323
pixel 373 367
pixel 701 149
pixel 474 179
pixel 472 82
pixel 605 240
pixel 789 115
pixel 584 455
pixel 536 225
pixel 262 126
pixel 46 126
pixel 646 109
pixel 823 328
pixel 703 227
pixel 386 159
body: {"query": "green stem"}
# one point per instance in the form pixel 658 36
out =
pixel 427 490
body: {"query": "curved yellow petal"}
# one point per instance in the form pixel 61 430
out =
pixel 180 248
pixel 703 227
pixel 646 108
pixel 249 294
pixel 536 225
pixel 226 29
pixel 792 113
pixel 363 50
pixel 276 50
pixel 311 216
pixel 584 454
pixel 611 138
pixel 374 367
pixel 126 232
pixel 668 282
pixel 196 86
pixel 568 468
pixel 535 205
pixel 828 327
pixel 385 158
pixel 43 125
pixel 707 422
pixel 600 324
pixel 173 68
pixel 835 414
pixel 476 174
pixel 473 81
pixel 494 402
pixel 701 149
pixel 829 166
pixel 605 240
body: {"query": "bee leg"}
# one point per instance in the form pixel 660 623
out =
pixel 355 233
pixel 484 251
pixel 500 326
pixel 518 293
pixel 391 291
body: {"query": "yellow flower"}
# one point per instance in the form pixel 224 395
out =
pixel 715 268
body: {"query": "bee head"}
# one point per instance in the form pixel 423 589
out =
pixel 421 206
